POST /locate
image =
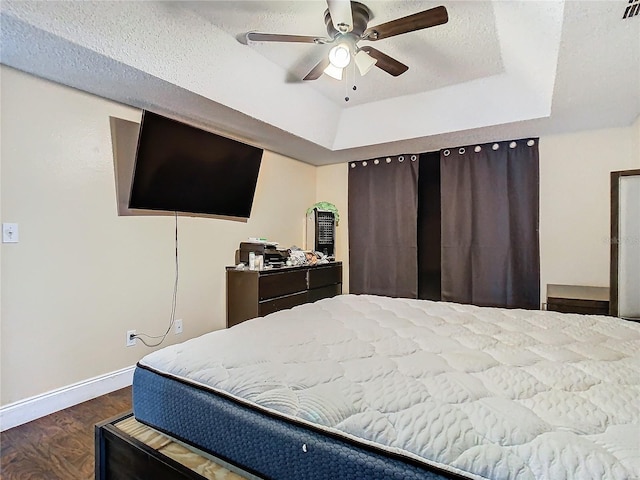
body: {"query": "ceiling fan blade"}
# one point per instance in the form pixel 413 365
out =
pixel 277 37
pixel 417 21
pixel 340 11
pixel 318 70
pixel 385 62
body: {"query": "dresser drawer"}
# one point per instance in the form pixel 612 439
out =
pixel 325 275
pixel 269 306
pixel 280 284
pixel 329 291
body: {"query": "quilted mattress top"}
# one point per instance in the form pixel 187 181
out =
pixel 484 392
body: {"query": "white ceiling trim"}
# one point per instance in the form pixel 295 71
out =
pixel 523 92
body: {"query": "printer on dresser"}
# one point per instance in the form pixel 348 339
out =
pixel 271 254
pixel 255 293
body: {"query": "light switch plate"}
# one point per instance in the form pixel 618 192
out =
pixel 10 233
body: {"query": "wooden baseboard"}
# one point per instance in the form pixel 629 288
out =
pixel 29 409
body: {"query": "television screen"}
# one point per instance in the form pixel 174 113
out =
pixel 180 168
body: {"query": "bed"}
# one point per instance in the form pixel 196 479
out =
pixel 361 386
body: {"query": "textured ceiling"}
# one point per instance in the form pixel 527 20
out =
pixel 434 61
pixel 497 70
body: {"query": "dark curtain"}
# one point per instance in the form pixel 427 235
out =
pixel 429 262
pixel 490 244
pixel 382 226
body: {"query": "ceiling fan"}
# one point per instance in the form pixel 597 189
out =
pixel 347 25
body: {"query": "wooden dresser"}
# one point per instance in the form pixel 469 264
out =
pixel 578 299
pixel 255 293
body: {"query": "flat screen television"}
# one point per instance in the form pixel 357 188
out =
pixel 181 168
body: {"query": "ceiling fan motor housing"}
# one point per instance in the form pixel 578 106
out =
pixel 361 16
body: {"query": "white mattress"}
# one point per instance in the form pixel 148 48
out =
pixel 490 393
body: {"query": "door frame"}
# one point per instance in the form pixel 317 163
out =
pixel 615 232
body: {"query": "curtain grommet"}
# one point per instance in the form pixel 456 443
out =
pixel 414 158
pixel 401 158
pixel 461 151
pixel 376 161
pixel 513 145
pixel 353 165
pixel 388 160
pixel 531 143
pixel 446 153
pixel 364 164
pixel 495 146
pixel 477 149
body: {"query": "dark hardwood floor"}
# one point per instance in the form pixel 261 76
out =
pixel 58 446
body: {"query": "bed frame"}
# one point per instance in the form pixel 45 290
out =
pixel 126 449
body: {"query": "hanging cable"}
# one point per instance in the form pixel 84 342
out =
pixel 172 317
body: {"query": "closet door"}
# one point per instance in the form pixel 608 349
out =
pixel 625 244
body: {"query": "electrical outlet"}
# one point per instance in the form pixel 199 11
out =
pixel 131 339
pixel 177 326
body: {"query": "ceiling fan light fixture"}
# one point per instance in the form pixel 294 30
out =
pixel 333 71
pixel 340 55
pixel 364 62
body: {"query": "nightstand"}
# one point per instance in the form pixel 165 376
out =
pixel 578 299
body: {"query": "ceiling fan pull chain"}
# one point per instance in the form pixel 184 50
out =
pixel 346 84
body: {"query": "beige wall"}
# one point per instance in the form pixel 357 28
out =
pixel 636 133
pixel 81 276
pixel 575 203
